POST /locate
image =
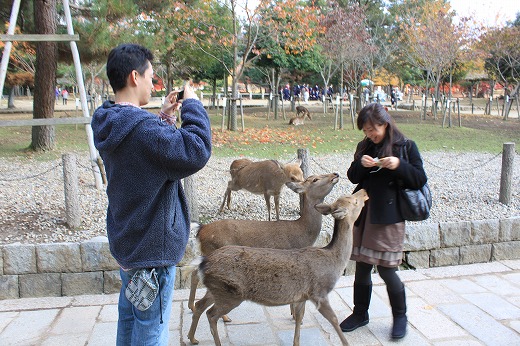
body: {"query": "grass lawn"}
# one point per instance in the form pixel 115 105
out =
pixel 271 138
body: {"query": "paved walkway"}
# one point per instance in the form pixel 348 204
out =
pixel 476 304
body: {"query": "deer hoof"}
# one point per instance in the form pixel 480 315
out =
pixel 226 318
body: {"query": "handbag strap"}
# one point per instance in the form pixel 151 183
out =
pixel 403 154
pixel 404 149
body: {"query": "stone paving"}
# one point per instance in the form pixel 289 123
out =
pixel 476 304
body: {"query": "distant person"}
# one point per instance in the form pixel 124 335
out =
pixel 65 96
pixel 305 92
pixel 145 157
pixel 286 93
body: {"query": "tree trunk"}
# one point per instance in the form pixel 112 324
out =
pixel 45 76
pixel 276 92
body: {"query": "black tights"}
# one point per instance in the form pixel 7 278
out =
pixel 389 276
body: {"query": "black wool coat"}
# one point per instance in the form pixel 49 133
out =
pixel 382 186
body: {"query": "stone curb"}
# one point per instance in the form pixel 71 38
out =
pixel 68 269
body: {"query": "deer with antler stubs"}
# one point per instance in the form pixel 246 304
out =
pixel 274 277
pixel 262 178
pixel 283 234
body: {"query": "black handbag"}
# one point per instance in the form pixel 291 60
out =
pixel 414 204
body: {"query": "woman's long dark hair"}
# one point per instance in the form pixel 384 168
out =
pixel 376 114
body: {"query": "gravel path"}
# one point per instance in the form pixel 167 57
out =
pixel 465 186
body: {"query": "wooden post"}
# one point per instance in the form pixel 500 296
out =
pixel 508 158
pixel 70 181
pixel 190 189
pixel 303 154
pixel 352 111
pixel 458 112
pixel 223 113
pixel 242 115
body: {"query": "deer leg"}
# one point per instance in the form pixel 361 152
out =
pixel 193 288
pixel 327 312
pixel 299 311
pixel 229 200
pixel 227 196
pixel 268 203
pixel 200 307
pixel 277 206
pixel 215 312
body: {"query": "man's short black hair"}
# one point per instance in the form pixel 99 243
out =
pixel 123 59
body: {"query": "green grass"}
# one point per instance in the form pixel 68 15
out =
pixel 264 138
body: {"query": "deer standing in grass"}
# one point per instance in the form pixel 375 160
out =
pixel 274 277
pixel 283 234
pixel 262 177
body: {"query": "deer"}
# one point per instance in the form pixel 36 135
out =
pixel 299 119
pixel 283 234
pixel 274 277
pixel 262 177
pixel 303 111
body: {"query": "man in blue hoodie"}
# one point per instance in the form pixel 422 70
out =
pixel 145 158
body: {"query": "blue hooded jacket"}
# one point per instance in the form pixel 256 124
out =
pixel 147 217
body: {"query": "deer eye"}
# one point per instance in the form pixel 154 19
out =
pixel 315 180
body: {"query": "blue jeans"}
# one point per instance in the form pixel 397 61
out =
pixel 142 328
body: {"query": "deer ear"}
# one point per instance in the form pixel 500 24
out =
pixel 323 208
pixel 296 187
pixel 279 164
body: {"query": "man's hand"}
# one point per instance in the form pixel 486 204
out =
pixel 170 105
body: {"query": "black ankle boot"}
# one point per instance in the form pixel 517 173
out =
pixel 398 303
pixel 359 317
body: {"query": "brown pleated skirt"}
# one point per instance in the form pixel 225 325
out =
pixel 378 244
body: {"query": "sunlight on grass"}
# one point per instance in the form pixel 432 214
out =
pixel 272 138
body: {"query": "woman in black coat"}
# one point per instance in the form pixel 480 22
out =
pixel 379 230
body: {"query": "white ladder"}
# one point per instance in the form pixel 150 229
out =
pixel 72 38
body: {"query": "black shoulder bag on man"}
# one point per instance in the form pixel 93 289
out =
pixel 414 204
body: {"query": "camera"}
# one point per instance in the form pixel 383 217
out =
pixel 180 95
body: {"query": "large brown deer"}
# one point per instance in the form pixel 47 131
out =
pixel 274 277
pixel 283 234
pixel 262 178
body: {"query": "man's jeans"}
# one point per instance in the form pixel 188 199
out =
pixel 141 328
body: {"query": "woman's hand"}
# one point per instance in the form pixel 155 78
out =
pixel 368 161
pixel 390 162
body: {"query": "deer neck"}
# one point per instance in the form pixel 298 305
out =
pixel 341 242
pixel 310 216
